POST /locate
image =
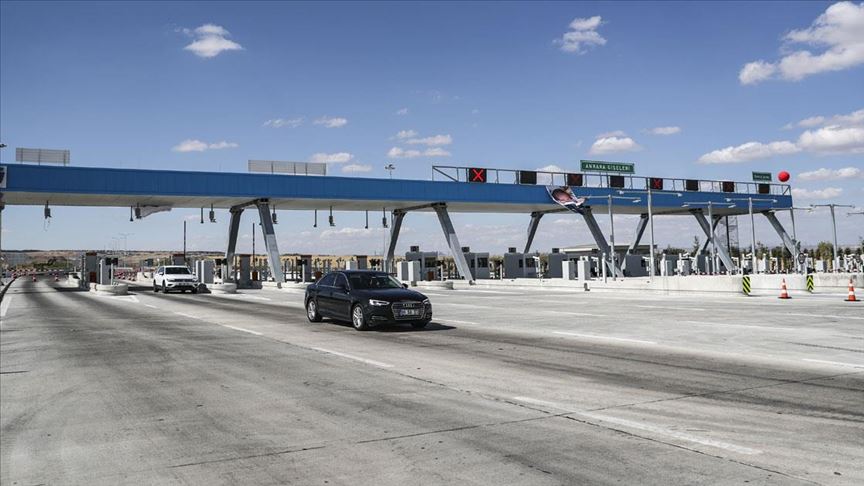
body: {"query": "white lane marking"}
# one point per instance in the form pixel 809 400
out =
pixel 469 323
pixel 836 363
pixel 594 336
pixel 688 309
pixel 241 329
pixel 151 306
pixel 586 314
pixel 4 307
pixel 823 316
pixel 355 358
pixel 671 433
pixel 726 324
pixel 243 296
pixel 190 316
pixel 656 429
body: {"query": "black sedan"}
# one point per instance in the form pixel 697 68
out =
pixel 367 299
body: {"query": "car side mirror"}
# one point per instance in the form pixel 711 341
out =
pixel 404 285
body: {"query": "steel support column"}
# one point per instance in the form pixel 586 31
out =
pixel 233 231
pixel 640 230
pixel 599 238
pixel 532 229
pixel 707 242
pixel 788 242
pixel 453 242
pixel 721 250
pixel 398 216
pixel 270 242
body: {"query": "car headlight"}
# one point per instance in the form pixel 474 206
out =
pixel 378 302
pixel 426 302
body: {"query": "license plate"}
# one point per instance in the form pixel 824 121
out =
pixel 409 312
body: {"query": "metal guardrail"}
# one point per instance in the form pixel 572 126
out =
pixel 601 180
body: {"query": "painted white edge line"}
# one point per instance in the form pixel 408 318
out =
pixel 241 329
pixel 355 358
pixel 4 307
pixel 836 363
pixel 594 336
pixel 656 429
pixel 190 316
pixel 823 316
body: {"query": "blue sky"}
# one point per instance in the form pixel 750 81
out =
pixel 709 90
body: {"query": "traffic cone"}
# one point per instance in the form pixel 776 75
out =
pixel 851 297
pixel 783 293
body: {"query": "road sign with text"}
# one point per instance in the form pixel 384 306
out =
pixel 601 166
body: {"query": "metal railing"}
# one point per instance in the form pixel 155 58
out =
pixel 602 180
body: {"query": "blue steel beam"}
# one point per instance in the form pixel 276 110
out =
pixel 90 186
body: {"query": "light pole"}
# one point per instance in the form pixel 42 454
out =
pixel 833 225
pixel 710 205
pixel 390 168
pixel 752 226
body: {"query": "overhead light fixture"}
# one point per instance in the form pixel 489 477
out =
pixel 384 218
pixel 330 218
pixel 131 214
pixel 367 220
pixel 47 211
pixel 315 224
pixel 212 214
pixel 202 214
pixel 273 216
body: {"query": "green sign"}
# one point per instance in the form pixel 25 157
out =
pixel 761 177
pixel 601 166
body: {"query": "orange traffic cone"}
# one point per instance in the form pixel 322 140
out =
pixel 783 293
pixel 851 297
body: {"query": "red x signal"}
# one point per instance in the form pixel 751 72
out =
pixel 476 175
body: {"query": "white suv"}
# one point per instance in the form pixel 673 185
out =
pixel 174 277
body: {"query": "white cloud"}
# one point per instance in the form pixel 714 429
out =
pixel 434 140
pixel 194 145
pixel 833 139
pixel 334 158
pixel 400 153
pixel 403 134
pixel 665 130
pixel 748 151
pixel 614 133
pixel 402 111
pixel 284 122
pixel 838 33
pixel 614 143
pixel 334 122
pixel 852 119
pixel 356 168
pixel 827 193
pixel 210 41
pixel 436 152
pixel 582 35
pixel 824 174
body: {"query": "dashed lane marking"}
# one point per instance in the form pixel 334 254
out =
pixel 594 336
pixel 241 329
pixel 190 316
pixel 4 307
pixel 654 429
pixel 835 363
pixel 355 358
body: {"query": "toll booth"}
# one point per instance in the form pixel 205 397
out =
pixel 519 265
pixel 584 268
pixel 89 269
pixel 478 263
pixel 635 266
pixel 668 264
pixel 305 268
pixel 204 271
pixel 243 277
pixel 684 266
pixel 556 261
pixel 178 259
pixel 428 261
pixel 105 274
pixel 408 271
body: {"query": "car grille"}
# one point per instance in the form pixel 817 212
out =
pixel 398 306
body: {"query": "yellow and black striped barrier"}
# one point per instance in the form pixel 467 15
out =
pixel 810 283
pixel 745 284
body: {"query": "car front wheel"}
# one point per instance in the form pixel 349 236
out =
pixel 312 311
pixel 359 319
pixel 164 288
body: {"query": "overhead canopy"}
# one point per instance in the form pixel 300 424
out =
pixel 91 186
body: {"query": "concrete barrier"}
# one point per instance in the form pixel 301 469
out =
pixel 222 288
pixel 116 289
pixel 434 284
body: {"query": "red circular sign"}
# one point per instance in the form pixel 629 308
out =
pixel 783 176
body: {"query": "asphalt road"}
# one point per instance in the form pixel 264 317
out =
pixel 504 388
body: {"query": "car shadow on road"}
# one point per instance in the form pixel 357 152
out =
pixel 431 327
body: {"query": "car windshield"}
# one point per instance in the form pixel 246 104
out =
pixel 177 271
pixel 372 281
